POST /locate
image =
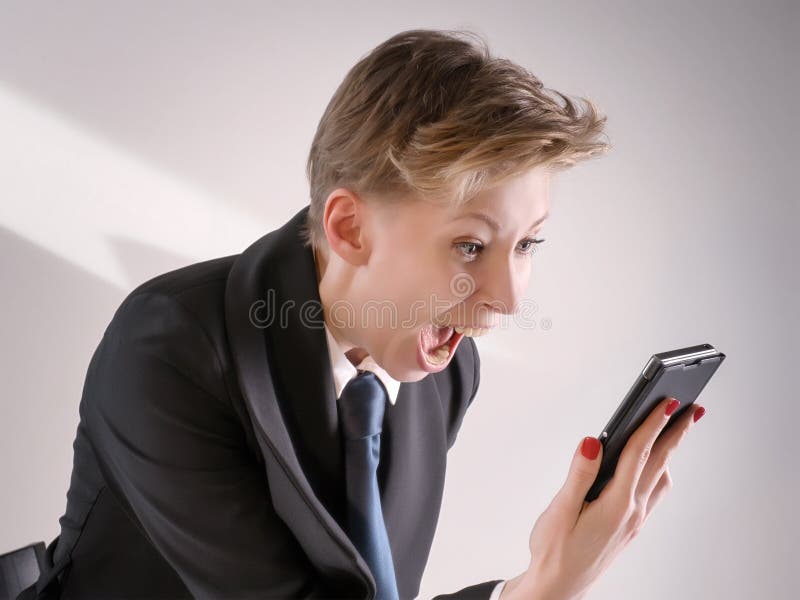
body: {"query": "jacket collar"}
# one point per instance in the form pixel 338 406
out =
pixel 269 284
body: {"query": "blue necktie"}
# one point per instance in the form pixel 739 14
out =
pixel 361 408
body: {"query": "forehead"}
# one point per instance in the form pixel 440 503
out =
pixel 514 203
pixel 518 201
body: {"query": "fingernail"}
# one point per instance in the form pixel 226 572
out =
pixel 673 404
pixel 699 413
pixel 590 447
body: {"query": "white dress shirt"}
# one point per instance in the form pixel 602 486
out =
pixel 344 371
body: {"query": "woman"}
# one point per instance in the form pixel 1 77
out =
pixel 249 429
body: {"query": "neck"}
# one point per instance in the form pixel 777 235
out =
pixel 328 289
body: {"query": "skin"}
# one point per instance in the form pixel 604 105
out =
pixel 403 256
pixel 406 256
pixel 573 542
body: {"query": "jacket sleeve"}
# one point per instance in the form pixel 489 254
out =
pixel 173 453
pixel 479 591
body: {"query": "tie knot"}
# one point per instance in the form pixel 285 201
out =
pixel 361 406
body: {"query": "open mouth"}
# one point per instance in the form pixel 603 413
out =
pixel 436 346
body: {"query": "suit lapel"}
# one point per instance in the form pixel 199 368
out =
pixel 275 328
pixel 301 371
pixel 256 282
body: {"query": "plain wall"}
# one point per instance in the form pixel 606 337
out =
pixel 140 137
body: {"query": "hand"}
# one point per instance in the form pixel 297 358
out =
pixel 574 541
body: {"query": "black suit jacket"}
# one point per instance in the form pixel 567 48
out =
pixel 207 461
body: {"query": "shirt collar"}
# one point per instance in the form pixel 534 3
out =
pixel 344 370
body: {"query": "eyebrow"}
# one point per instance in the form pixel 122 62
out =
pixel 494 224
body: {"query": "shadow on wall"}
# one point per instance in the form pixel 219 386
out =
pixel 54 315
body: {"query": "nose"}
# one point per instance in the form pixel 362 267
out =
pixel 503 285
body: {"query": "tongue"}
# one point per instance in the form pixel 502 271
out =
pixel 433 336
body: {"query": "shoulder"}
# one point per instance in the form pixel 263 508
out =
pixel 198 287
pixel 196 290
pixel 178 317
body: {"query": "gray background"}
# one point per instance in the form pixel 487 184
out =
pixel 139 137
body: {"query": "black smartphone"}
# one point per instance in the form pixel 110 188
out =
pixel 680 374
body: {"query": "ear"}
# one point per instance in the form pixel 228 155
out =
pixel 343 221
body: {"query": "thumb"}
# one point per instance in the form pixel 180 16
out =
pixel 582 473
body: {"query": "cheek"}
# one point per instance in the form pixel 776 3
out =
pixel 421 281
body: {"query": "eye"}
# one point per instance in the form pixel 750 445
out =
pixel 472 250
pixel 532 244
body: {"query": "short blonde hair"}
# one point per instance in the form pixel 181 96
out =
pixel 430 113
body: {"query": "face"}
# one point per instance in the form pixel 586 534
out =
pixel 397 272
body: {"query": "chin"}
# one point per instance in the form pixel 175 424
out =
pixel 407 373
pixel 408 361
pixel 401 362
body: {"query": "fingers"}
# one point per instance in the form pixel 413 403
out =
pixel 663 486
pixel 661 452
pixel 636 453
pixel 640 516
pixel 582 473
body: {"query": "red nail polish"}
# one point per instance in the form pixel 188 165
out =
pixel 699 413
pixel 590 447
pixel 673 404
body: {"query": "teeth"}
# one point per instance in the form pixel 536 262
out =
pixel 440 356
pixel 472 332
